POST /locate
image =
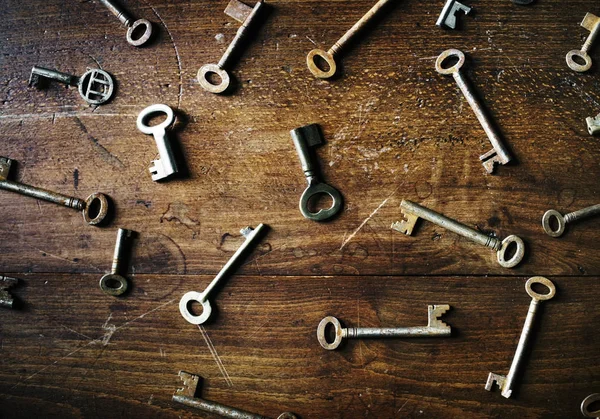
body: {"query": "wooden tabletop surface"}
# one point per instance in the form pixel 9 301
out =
pixel 394 129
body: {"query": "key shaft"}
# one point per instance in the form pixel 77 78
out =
pixel 239 36
pixel 118 11
pixel 43 194
pixel 37 72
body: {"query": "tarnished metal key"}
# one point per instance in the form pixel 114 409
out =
pixel 166 165
pixel 6 282
pixel 251 235
pixel 585 406
pixel 132 27
pixel 505 383
pixel 95 86
pixel 593 124
pixel 563 220
pixel 244 14
pixel 448 16
pixel 498 154
pixel 114 283
pixel 435 328
pixel 305 138
pixel 579 60
pixel 94 208
pixel 329 56
pixel 412 212
pixel 187 396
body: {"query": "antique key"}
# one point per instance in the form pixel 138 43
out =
pixel 329 56
pixel 498 154
pixel 305 138
pixel 563 220
pixel 95 86
pixel 6 283
pixel 166 165
pixel 435 328
pixel 593 124
pixel 251 236
pixel 505 383
pixel 412 212
pixel 94 208
pixel 125 19
pixel 448 16
pixel 114 283
pixel 591 23
pixel 187 396
pixel 245 15
pixel 585 406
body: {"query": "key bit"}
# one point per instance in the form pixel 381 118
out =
pixel 593 124
pixel 448 16
pixel 433 317
pixel 6 282
pixel 407 225
pixel 5 165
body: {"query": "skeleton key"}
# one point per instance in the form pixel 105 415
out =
pixel 505 383
pixel 585 406
pixel 412 212
pixel 95 86
pixel 114 283
pixel 166 165
pixel 6 283
pixel 251 236
pixel 187 396
pixel 498 154
pixel 125 19
pixel 435 328
pixel 245 15
pixel 591 23
pixel 305 138
pixel 563 220
pixel 95 202
pixel 448 16
pixel 593 124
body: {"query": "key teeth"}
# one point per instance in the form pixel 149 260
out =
pixel 593 124
pixel 5 164
pixel 407 225
pixel 157 170
pixel 190 384
pixel 499 380
pixel 434 312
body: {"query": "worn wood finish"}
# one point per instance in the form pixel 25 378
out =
pixel 394 129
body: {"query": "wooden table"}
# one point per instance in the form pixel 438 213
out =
pixel 394 129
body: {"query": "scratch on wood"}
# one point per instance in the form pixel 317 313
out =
pixel 110 158
pixel 110 330
pixel 351 236
pixel 215 355
pixel 55 115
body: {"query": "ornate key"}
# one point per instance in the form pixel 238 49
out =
pixel 126 20
pixel 114 283
pixel 94 208
pixel 166 165
pixel 245 15
pixel 591 23
pixel 498 154
pixel 506 382
pixel 95 86
pixel 187 396
pixel 251 236
pixel 435 328
pixel 593 124
pixel 563 220
pixel 448 16
pixel 585 406
pixel 6 283
pixel 305 138
pixel 412 212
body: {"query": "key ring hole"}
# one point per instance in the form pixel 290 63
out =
pixel 553 223
pixel 314 191
pixel 510 256
pixel 189 304
pixel 139 33
pixel 579 61
pixel 537 281
pixel 319 202
pixel 329 327
pixel 450 61
pixel 152 111
pixel 590 407
pixel 321 63
pixel 113 284
pixel 213 78
pixel 96 209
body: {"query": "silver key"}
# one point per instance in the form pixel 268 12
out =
pixel 126 20
pixel 585 406
pixel 251 236
pixel 166 165
pixel 593 124
pixel 95 86
pixel 94 209
pixel 114 283
pixel 435 328
pixel 187 396
pixel 412 212
pixel 592 23
pixel 563 220
pixel 505 383
pixel 498 154
pixel 6 282
pixel 448 16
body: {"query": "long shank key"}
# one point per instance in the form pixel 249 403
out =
pixel 125 19
pixel 108 281
pixel 563 220
pixel 592 23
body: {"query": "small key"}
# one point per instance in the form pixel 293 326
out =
pixel 245 15
pixel 593 124
pixel 94 208
pixel 591 23
pixel 505 383
pixel 95 86
pixel 125 19
pixel 6 282
pixel 435 328
pixel 329 56
pixel 412 212
pixel 251 236
pixel 114 283
pixel 305 138
pixel 166 165
pixel 563 220
pixel 187 396
pixel 499 154
pixel 585 406
pixel 448 16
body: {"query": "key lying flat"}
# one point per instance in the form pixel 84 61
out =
pixel 95 86
pixel 126 20
pixel 114 283
pixel 585 406
pixel 166 165
pixel 590 22
pixel 6 283
pixel 563 220
pixel 435 328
